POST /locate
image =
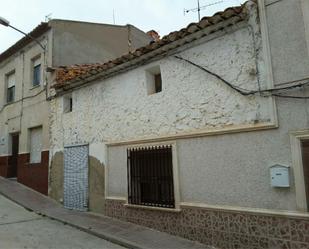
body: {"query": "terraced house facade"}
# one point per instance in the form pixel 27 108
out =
pixel 24 82
pixel 202 134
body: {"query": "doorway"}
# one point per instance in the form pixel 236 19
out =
pixel 305 157
pixel 76 177
pixel 13 162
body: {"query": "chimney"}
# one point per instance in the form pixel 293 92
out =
pixel 154 35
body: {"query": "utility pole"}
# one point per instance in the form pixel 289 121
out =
pixel 199 8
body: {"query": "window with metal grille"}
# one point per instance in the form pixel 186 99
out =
pixel 150 176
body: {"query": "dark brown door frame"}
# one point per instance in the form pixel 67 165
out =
pixel 14 155
pixel 305 160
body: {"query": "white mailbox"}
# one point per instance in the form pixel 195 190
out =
pixel 280 176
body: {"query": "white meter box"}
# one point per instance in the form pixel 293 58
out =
pixel 280 176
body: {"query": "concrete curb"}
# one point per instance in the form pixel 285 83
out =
pixel 122 233
pixel 105 236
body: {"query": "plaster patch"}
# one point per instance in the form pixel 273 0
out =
pixel 56 177
pixel 98 151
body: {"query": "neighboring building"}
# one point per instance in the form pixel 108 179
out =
pixel 24 109
pixel 202 134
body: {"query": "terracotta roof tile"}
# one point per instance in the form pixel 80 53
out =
pixel 73 73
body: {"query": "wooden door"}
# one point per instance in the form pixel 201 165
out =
pixel 305 154
pixel 14 157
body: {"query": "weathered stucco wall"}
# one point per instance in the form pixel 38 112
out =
pixel 231 169
pixel 120 109
pixel 96 181
pixel 287 21
pixel 33 111
pixel 305 12
pixel 81 42
pixel 96 185
pixel 56 177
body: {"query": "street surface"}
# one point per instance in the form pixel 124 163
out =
pixel 20 228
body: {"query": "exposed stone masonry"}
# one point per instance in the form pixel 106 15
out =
pixel 222 229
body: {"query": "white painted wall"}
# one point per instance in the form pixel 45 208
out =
pixel 119 108
pixel 230 169
pixel 214 170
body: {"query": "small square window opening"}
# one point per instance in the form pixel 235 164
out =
pixel 67 103
pixel 153 80
pixel 158 82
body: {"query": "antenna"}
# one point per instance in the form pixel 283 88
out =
pixel 114 16
pixel 199 8
pixel 48 17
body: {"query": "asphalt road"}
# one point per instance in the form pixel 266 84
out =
pixel 20 228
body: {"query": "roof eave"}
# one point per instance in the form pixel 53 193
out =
pixel 167 49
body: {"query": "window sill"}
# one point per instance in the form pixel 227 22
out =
pixel 32 164
pixel 35 87
pixel 173 210
pixel 9 103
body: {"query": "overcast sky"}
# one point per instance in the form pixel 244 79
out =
pixel 163 16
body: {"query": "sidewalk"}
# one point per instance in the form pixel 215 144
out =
pixel 122 233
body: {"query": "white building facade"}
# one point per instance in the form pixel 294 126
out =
pixel 200 136
pixel 24 85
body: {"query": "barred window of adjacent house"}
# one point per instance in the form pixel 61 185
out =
pixel 10 93
pixel 150 176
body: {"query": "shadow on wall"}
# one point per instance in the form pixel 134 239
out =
pixel 96 182
pixel 56 177
pixel 96 185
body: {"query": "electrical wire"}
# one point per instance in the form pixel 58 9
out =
pixel 290 96
pixel 24 98
pixel 247 92
pixel 238 89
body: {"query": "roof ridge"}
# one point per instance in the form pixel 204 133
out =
pixel 74 73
